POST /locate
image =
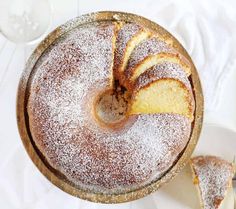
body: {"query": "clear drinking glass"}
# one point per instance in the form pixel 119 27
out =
pixel 23 21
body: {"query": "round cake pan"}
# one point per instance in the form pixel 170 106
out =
pixel 36 156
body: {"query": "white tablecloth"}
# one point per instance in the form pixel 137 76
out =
pixel 206 28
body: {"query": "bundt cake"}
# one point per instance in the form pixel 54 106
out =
pixel 213 178
pixel 90 124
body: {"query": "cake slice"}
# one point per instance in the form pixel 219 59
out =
pixel 128 37
pixel 159 58
pixel 164 88
pixel 151 52
pixel 213 178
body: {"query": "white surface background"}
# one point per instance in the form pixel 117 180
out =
pixel 206 28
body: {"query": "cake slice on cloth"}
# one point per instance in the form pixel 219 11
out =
pixel 213 178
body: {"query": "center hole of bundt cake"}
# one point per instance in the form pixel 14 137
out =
pixel 111 106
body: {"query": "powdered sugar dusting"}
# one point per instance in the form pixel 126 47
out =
pixel 214 175
pixel 65 84
pixel 123 37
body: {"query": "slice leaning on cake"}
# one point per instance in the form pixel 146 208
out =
pixel 213 179
pixel 163 88
pixel 129 35
pixel 149 53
